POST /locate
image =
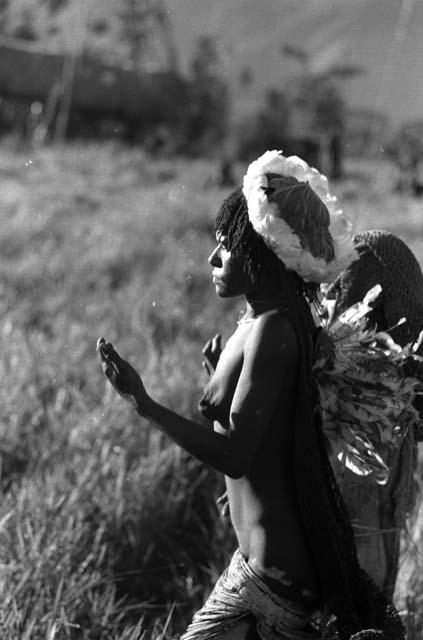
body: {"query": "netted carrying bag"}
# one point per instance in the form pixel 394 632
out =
pixel 385 259
pixel 383 512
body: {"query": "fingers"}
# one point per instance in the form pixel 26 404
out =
pixel 216 344
pixel 224 512
pixel 107 352
pixel 212 351
pixel 213 346
pixel 102 348
pixel 223 503
pixel 223 498
pixel 110 359
pixel 207 348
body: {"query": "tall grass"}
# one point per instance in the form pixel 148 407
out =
pixel 107 530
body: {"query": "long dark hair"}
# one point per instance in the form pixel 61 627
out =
pixel 344 586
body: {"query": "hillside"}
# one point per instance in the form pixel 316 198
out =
pixel 383 36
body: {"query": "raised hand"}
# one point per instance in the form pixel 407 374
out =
pixel 211 353
pixel 122 375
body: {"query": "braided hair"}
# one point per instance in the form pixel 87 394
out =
pixel 232 221
pixel 344 587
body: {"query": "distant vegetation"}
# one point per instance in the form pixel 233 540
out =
pixel 197 112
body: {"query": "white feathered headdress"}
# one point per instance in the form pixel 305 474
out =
pixel 290 206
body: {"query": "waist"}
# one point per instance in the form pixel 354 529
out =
pixel 280 582
pixel 280 558
pixel 267 596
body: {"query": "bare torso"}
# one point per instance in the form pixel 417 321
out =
pixel 262 502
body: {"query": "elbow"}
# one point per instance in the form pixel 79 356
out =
pixel 234 473
pixel 237 467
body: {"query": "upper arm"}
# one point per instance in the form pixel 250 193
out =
pixel 267 377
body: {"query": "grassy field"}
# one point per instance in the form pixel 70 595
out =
pixel 107 531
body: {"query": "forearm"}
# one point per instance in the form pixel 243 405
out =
pixel 214 449
pixel 211 448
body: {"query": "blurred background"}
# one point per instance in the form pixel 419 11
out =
pixel 226 79
pixel 123 125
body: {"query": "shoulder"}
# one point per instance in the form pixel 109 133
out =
pixel 275 322
pixel 273 334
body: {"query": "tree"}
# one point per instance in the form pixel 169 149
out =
pixel 318 91
pixel 17 23
pixel 268 128
pixel 365 131
pixel 134 27
pixel 145 29
pixel 320 96
pixel 406 149
pixel 25 30
pixel 4 6
pixel 246 77
pixel 165 28
pixel 24 21
pixel 54 6
pixel 208 108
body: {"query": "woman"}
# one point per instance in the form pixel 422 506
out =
pixel 379 512
pixel 276 238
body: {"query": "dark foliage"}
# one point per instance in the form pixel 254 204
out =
pixel 208 104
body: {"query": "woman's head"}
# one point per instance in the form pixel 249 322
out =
pixel 248 250
pixel 231 275
pixel 280 222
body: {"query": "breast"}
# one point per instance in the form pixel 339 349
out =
pixel 216 401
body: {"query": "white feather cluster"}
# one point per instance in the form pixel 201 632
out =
pixel 267 220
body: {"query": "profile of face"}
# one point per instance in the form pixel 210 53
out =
pixel 229 274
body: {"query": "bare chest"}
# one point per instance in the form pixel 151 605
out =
pixel 219 391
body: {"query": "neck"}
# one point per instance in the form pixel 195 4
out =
pixel 260 302
pixel 272 293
